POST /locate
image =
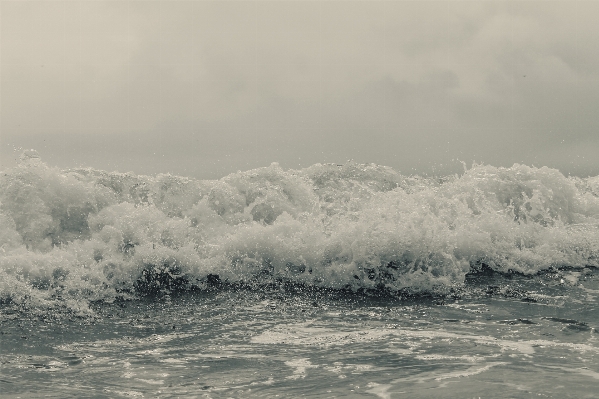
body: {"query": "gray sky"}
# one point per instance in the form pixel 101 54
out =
pixel 205 88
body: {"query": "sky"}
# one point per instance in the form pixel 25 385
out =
pixel 207 88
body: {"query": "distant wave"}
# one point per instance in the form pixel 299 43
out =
pixel 68 237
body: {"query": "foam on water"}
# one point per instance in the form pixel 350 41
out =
pixel 69 237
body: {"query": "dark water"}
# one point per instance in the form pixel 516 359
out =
pixel 498 337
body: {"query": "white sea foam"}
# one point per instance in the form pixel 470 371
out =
pixel 304 334
pixel 71 237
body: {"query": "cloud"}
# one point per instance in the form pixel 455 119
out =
pixel 408 84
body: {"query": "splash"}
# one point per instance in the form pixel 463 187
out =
pixel 70 237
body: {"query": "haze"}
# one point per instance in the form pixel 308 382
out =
pixel 206 88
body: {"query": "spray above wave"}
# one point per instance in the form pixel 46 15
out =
pixel 75 236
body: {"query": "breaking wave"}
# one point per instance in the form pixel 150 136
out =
pixel 71 237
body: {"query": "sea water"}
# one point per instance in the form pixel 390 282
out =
pixel 331 281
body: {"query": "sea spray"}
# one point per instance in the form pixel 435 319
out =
pixel 70 237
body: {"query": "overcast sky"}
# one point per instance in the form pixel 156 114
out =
pixel 206 88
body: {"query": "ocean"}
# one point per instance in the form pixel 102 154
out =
pixel 331 281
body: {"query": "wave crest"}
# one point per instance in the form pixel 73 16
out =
pixel 70 237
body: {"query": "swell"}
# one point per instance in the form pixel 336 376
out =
pixel 68 238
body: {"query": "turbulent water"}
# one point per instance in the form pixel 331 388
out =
pixel 334 280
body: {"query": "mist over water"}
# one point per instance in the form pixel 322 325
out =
pixel 74 237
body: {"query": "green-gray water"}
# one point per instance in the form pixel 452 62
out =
pixel 500 337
